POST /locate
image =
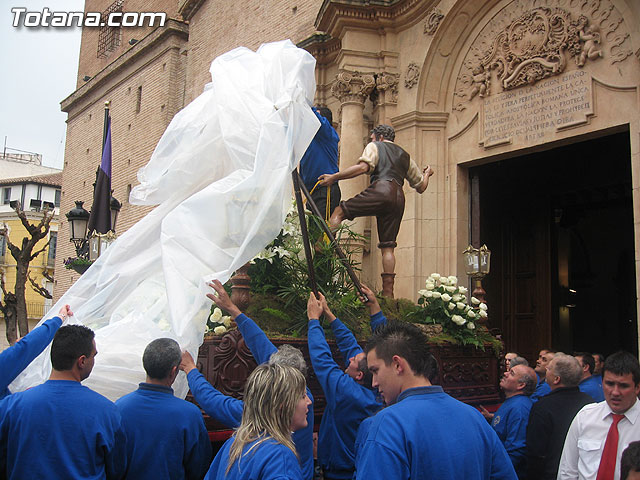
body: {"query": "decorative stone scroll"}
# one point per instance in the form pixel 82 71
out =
pixel 532 114
pixel 434 18
pixel 387 87
pixel 412 75
pixel 530 40
pixel 353 86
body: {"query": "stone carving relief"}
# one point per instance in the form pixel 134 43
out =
pixel 353 86
pixel 532 40
pixel 387 86
pixel 434 18
pixel 412 75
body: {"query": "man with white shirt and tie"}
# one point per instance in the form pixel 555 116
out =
pixel 601 431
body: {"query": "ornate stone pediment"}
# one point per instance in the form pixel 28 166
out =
pixel 531 40
pixel 532 47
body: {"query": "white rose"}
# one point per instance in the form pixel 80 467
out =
pixel 450 289
pixel 470 326
pixel 463 290
pixel 483 314
pixel 457 297
pixel 435 294
pixel 219 330
pixel 467 308
pixel 216 315
pixel 428 294
pixel 458 320
pixel 451 306
pixel 446 297
pixel 435 276
pixel 461 306
pixel 483 306
pixel 471 314
pixel 453 280
pixel 475 301
pixel 430 285
pixel 226 321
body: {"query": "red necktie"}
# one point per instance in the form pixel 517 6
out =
pixel 608 461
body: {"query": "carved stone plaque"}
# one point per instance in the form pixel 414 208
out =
pixel 534 113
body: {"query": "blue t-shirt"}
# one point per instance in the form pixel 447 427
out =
pixel 427 434
pixel 541 390
pixel 166 436
pixel 592 386
pixel 267 461
pixel 510 423
pixel 321 155
pixel 61 430
pixel 348 403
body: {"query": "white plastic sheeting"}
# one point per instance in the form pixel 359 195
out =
pixel 221 174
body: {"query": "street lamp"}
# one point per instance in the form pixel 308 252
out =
pixel 78 218
pixel 91 247
pixel 477 263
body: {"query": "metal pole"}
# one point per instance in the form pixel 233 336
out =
pixel 105 126
pixel 305 233
pixel 314 209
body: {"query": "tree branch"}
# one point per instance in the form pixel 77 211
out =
pixel 38 289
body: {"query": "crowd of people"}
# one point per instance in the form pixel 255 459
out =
pixel 384 418
pixel 572 417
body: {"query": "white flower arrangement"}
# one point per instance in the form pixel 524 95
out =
pixel 217 323
pixel 443 301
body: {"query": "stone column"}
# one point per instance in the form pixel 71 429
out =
pixel 352 89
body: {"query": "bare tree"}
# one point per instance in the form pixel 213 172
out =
pixel 23 255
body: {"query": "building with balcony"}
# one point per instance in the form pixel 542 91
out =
pixel 34 193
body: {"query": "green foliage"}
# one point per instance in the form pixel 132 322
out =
pixel 281 271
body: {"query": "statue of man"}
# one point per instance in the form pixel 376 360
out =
pixel 388 165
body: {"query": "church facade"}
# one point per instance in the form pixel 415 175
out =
pixel 527 110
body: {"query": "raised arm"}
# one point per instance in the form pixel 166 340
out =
pixel 16 358
pixel 259 344
pixel 222 408
pixel 330 376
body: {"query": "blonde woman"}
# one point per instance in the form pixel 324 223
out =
pixel 275 404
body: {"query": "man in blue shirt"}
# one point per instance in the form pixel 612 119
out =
pixel 16 358
pixel 62 429
pixel 349 395
pixel 322 157
pixel 544 357
pixel 166 436
pixel 589 384
pixel 510 421
pixel 423 433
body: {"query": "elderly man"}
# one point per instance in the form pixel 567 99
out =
pixel 589 384
pixel 423 433
pixel 510 421
pixel 62 429
pixel 389 165
pixel 350 397
pixel 551 416
pixel 544 357
pixel 166 436
pixel 601 431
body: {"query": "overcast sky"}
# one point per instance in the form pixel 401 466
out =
pixel 39 67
